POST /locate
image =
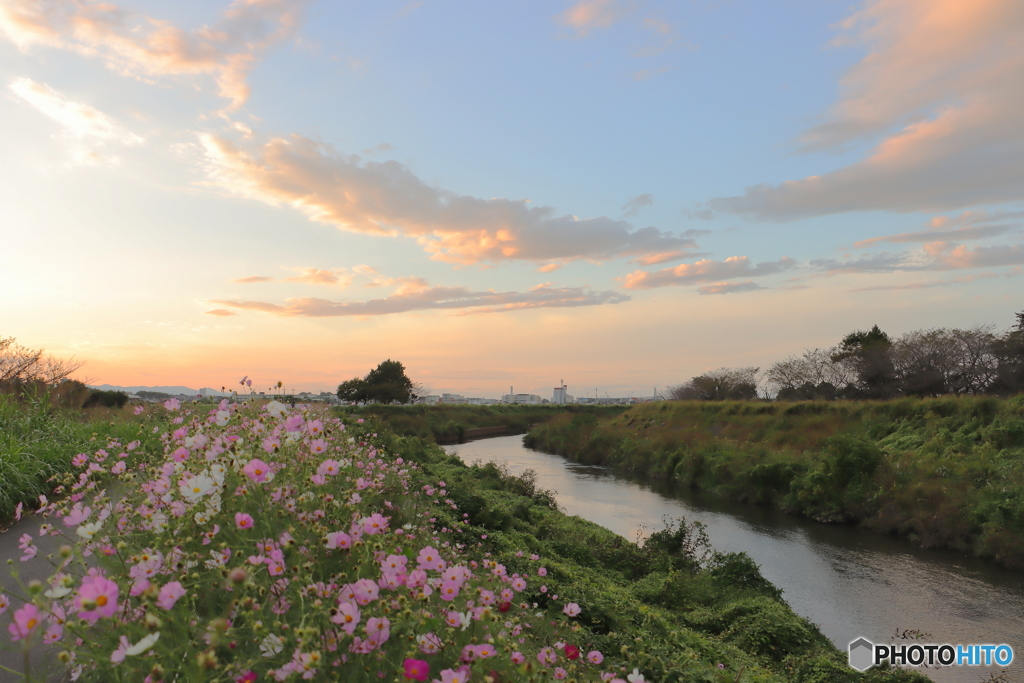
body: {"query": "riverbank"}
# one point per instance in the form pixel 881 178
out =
pixel 944 472
pixel 672 607
pixel 457 423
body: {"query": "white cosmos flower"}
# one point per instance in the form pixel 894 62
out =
pixel 276 408
pixel 195 487
pixel 223 417
pixel 143 645
pixel 271 645
pixel 57 592
pixel 88 530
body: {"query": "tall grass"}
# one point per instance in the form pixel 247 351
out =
pixel 38 440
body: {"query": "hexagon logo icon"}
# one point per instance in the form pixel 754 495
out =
pixel 862 654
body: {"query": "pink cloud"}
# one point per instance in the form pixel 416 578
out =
pixel 252 279
pixel 587 15
pixel 385 198
pixel 730 287
pixel 942 90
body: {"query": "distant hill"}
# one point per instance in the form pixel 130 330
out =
pixel 174 391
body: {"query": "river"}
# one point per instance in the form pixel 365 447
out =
pixel 850 582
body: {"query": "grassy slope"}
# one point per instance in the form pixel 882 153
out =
pixel 946 472
pixel 656 607
pixel 37 441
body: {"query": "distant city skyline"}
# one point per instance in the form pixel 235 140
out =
pixel 627 194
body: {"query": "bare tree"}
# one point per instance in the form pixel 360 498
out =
pixel 22 365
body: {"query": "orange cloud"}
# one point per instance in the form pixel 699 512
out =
pixel 252 279
pixel 316 276
pixel 385 198
pixel 942 85
pixel 145 47
pixel 706 270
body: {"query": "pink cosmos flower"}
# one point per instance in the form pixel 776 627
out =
pixel 318 446
pixel 518 657
pixel 428 558
pixel 318 479
pixel 169 595
pixel 560 673
pixel 339 539
pixel 375 524
pixel 4 603
pixel 378 630
pixel 572 609
pixel 449 590
pixel 547 656
pixel 249 676
pixel 365 591
pixel 328 467
pixel 25 622
pixel 485 650
pixel 294 423
pixel 172 404
pixel 595 657
pixel 119 467
pixel 138 410
pixel 542 572
pixel 118 655
pixel 243 521
pixel 97 598
pixel 25 543
pixel 459 676
pixel 416 578
pixel 257 470
pixel 429 643
pixel 80 460
pixel 416 669
pixel 519 583
pixel 315 427
pixel 347 616
pixel 180 454
pixel 54 632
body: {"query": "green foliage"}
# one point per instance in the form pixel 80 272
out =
pixel 386 383
pixel 38 440
pixel 944 471
pixel 107 399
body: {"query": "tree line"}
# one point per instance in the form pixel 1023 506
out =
pixel 872 365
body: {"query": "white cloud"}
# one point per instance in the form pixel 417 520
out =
pixel 81 121
pixel 414 294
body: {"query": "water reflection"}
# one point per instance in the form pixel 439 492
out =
pixel 848 581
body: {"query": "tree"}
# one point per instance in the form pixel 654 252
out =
pixel 1009 350
pixel 735 384
pixel 814 375
pixel 870 355
pixel 20 365
pixel 386 383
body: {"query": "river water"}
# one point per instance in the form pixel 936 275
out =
pixel 850 582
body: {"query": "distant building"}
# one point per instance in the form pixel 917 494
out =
pixel 561 395
pixel 429 400
pixel 522 399
pixel 453 398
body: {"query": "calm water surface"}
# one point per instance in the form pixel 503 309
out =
pixel 849 581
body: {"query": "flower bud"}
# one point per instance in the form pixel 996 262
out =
pixel 65 551
pixel 35 586
pixel 237 575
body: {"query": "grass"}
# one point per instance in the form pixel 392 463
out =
pixel 944 472
pixel 38 440
pixel 672 607
pixel 449 423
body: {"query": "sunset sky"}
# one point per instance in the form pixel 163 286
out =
pixel 618 193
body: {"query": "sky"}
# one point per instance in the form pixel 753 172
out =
pixel 620 194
